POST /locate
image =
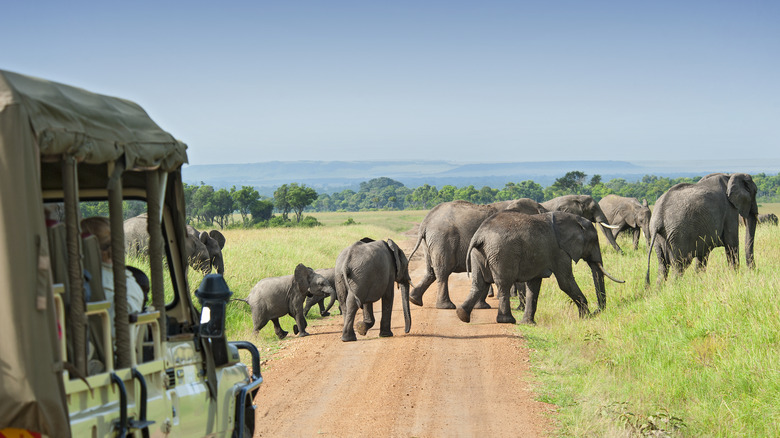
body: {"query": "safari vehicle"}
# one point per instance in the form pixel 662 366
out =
pixel 166 371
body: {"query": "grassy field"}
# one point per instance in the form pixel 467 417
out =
pixel 696 356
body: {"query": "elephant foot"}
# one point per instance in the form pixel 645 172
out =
pixel 281 335
pixel 349 338
pixel 528 321
pixel 385 334
pixel 361 328
pixel 302 334
pixel 505 319
pixel 463 315
pixel 323 314
pixel 295 328
pixel 414 299
pixel 445 305
pixel 482 305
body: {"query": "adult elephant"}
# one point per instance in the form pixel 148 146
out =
pixel 445 232
pixel 203 250
pixel 689 220
pixel 585 206
pixel 511 247
pixel 365 273
pixel 628 214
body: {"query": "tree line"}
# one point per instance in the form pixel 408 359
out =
pixel 206 205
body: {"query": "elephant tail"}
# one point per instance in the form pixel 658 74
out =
pixel 346 275
pixel 476 243
pixel 420 237
pixel 649 253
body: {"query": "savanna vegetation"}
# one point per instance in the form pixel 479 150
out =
pixel 208 206
pixel 696 356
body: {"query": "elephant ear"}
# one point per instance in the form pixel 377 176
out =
pixel 396 255
pixel 301 279
pixel 741 191
pixel 219 237
pixel 204 237
pixel 570 235
pixel 631 217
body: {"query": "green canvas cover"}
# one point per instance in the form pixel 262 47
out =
pixel 41 119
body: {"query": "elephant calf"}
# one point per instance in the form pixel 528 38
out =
pixel 274 297
pixel 365 273
pixel 329 274
pixel 511 247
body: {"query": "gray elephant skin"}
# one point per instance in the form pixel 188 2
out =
pixel 273 297
pixel 445 233
pixel 585 206
pixel 511 247
pixel 629 215
pixel 689 220
pixel 204 250
pixel 319 299
pixel 366 272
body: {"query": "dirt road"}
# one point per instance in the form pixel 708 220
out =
pixel 443 379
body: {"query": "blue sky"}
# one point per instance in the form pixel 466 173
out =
pixel 478 81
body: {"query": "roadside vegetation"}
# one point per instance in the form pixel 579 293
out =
pixel 696 356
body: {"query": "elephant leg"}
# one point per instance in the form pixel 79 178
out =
pixel 301 324
pixel 321 304
pixel 513 291
pixel 348 333
pixel 531 298
pixel 479 287
pixel 504 308
pixel 522 290
pixel 443 301
pixel 490 291
pixel 280 333
pixel 368 319
pixel 567 284
pixel 482 303
pixel 663 258
pixel 310 301
pixel 387 313
pixel 415 296
pixel 636 239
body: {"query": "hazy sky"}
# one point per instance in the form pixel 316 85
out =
pixel 483 80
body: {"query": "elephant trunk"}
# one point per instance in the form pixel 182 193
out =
pixel 598 282
pixel 405 304
pixel 750 235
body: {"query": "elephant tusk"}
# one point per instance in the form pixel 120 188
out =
pixel 610 276
pixel 604 224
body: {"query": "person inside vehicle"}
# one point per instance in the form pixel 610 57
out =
pixel 100 227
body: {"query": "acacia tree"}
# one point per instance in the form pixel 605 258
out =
pixel 300 197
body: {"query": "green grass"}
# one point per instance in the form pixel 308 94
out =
pixel 696 356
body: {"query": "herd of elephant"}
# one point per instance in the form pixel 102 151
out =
pixel 512 246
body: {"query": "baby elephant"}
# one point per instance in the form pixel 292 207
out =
pixel 366 272
pixel 274 297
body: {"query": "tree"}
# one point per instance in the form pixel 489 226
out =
pixel 595 180
pixel 261 210
pixel 281 202
pixel 202 209
pixel 300 197
pixel 243 200
pixel 569 184
pixel 222 205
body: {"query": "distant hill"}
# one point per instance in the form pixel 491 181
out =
pixel 336 176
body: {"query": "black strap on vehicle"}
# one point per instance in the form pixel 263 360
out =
pixel 122 426
pixel 141 423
